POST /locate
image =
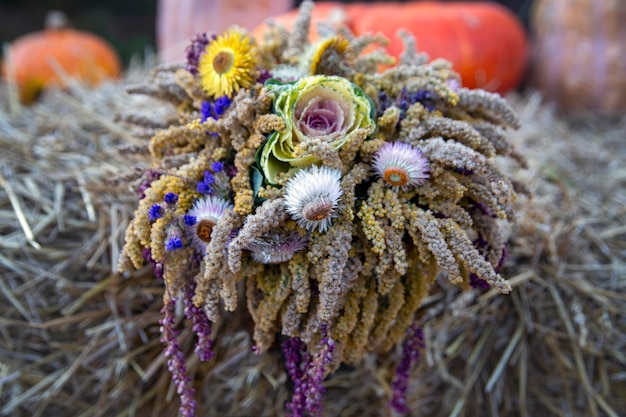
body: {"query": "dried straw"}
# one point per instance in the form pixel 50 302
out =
pixel 77 339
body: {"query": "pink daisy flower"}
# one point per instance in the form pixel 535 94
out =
pixel 277 247
pixel 401 165
pixel 201 219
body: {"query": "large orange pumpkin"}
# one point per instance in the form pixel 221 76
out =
pixel 36 60
pixel 579 53
pixel 485 42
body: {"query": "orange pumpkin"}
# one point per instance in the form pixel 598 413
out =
pixel 579 54
pixel 485 42
pixel 36 60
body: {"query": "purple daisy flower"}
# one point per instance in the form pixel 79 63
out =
pixel 277 247
pixel 401 165
pixel 207 212
pixel 312 197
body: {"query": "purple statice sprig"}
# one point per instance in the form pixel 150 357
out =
pixel 205 186
pixel 173 244
pixel 201 325
pixel 176 363
pixel 170 199
pixel 412 346
pixel 482 207
pixel 189 220
pixel 307 373
pixel 214 109
pixel 155 212
pixel 216 181
pixel 174 239
pixel 404 100
pixel 217 166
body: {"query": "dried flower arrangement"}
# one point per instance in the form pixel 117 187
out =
pixel 333 193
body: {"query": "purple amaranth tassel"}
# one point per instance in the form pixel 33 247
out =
pixel 148 177
pixel 296 361
pixel 176 360
pixel 157 267
pixel 478 283
pixel 201 325
pixel 483 245
pixel 307 374
pixel 411 347
pixel 483 208
pixel 504 254
pixel 315 374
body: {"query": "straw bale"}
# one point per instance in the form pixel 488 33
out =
pixel 78 339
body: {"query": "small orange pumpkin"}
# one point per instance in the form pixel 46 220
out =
pixel 34 61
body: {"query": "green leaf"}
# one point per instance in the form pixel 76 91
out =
pixel 256 177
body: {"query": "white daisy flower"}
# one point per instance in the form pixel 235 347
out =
pixel 312 197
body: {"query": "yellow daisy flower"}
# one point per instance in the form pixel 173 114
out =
pixel 228 63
